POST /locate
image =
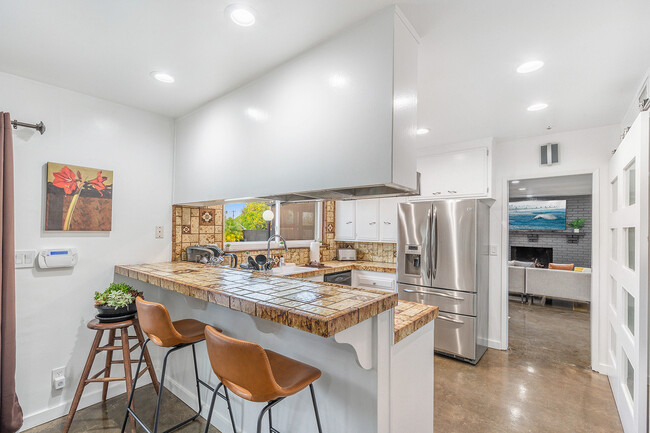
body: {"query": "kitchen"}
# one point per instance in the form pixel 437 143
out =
pixel 331 119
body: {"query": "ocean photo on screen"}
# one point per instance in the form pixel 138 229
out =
pixel 537 215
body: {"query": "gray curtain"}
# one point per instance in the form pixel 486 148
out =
pixel 10 412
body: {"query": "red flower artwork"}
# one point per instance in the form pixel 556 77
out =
pixel 66 179
pixel 98 183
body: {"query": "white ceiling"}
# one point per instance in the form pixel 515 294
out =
pixel 552 186
pixel 596 54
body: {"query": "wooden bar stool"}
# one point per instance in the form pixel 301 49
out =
pixel 109 348
pixel 257 375
pixel 160 329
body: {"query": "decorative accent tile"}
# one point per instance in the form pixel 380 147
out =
pixel 206 217
pixel 186 229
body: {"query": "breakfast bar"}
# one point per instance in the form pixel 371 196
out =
pixel 375 353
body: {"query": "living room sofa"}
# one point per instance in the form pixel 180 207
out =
pixel 570 285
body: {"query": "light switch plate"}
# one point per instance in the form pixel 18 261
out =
pixel 160 232
pixel 25 258
pixel 493 250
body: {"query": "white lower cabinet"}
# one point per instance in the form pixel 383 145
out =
pixel 374 280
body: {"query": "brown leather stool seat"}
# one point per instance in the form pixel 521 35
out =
pixel 156 322
pixel 256 374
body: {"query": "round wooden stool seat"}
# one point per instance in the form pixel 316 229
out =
pixel 97 325
pixel 104 375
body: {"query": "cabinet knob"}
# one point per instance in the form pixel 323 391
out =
pixel 451 191
pixel 372 223
pixel 386 222
pixel 348 222
pixel 436 193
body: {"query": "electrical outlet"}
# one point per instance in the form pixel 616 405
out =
pixel 58 378
pixel 160 232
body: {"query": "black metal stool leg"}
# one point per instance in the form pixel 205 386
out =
pixel 196 376
pixel 270 422
pixel 135 381
pixel 266 408
pixel 232 418
pixel 313 399
pixel 214 398
pixel 160 393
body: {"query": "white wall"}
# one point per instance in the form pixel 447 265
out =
pixel 580 152
pixel 54 306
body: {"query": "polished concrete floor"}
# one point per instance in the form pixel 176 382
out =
pixel 543 383
pixel 108 417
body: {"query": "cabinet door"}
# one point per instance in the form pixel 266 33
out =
pixel 463 173
pixel 388 218
pixel 345 227
pixel 367 220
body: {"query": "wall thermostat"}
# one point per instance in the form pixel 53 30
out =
pixel 58 258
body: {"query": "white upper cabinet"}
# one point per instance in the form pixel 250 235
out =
pixel 348 105
pixel 388 218
pixel 345 229
pixel 367 219
pixel 455 174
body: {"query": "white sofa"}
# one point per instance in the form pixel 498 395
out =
pixel 552 283
pixel 517 280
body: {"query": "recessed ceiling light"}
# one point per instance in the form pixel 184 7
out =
pixel 514 182
pixel 537 107
pixel 531 66
pixel 163 77
pixel 339 80
pixel 521 189
pixel 241 15
pixel 422 131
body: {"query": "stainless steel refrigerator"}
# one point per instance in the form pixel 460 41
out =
pixel 442 260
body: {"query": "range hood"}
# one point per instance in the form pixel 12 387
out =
pixel 372 191
pixel 336 122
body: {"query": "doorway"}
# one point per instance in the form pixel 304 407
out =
pixel 550 268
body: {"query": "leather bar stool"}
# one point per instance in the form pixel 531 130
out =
pixel 157 324
pixel 257 375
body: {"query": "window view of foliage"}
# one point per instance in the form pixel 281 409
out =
pixel 250 218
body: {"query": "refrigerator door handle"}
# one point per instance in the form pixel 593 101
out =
pixel 434 243
pixel 449 319
pixel 427 250
pixel 443 295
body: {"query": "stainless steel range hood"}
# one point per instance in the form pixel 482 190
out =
pixel 371 191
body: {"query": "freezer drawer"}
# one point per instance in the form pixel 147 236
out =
pixel 447 300
pixel 456 335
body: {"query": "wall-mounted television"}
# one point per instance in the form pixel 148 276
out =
pixel 537 215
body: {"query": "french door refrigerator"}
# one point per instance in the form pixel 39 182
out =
pixel 442 260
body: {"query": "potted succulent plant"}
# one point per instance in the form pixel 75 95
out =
pixel 117 300
pixel 577 224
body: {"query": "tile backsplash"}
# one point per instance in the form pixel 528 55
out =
pixel 194 225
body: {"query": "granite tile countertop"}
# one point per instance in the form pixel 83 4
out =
pixel 319 308
pixel 411 316
pixel 335 266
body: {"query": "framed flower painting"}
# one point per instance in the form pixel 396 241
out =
pixel 78 198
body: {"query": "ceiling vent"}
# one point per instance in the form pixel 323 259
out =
pixel 549 154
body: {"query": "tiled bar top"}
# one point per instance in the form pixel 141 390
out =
pixel 319 308
pixel 411 316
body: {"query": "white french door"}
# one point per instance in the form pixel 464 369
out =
pixel 628 276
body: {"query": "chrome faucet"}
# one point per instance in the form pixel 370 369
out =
pixel 268 248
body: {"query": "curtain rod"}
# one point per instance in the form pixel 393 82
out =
pixel 40 126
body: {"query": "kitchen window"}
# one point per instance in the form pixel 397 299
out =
pixel 246 229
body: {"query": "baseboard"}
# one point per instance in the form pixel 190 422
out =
pixel 496 344
pixel 90 397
